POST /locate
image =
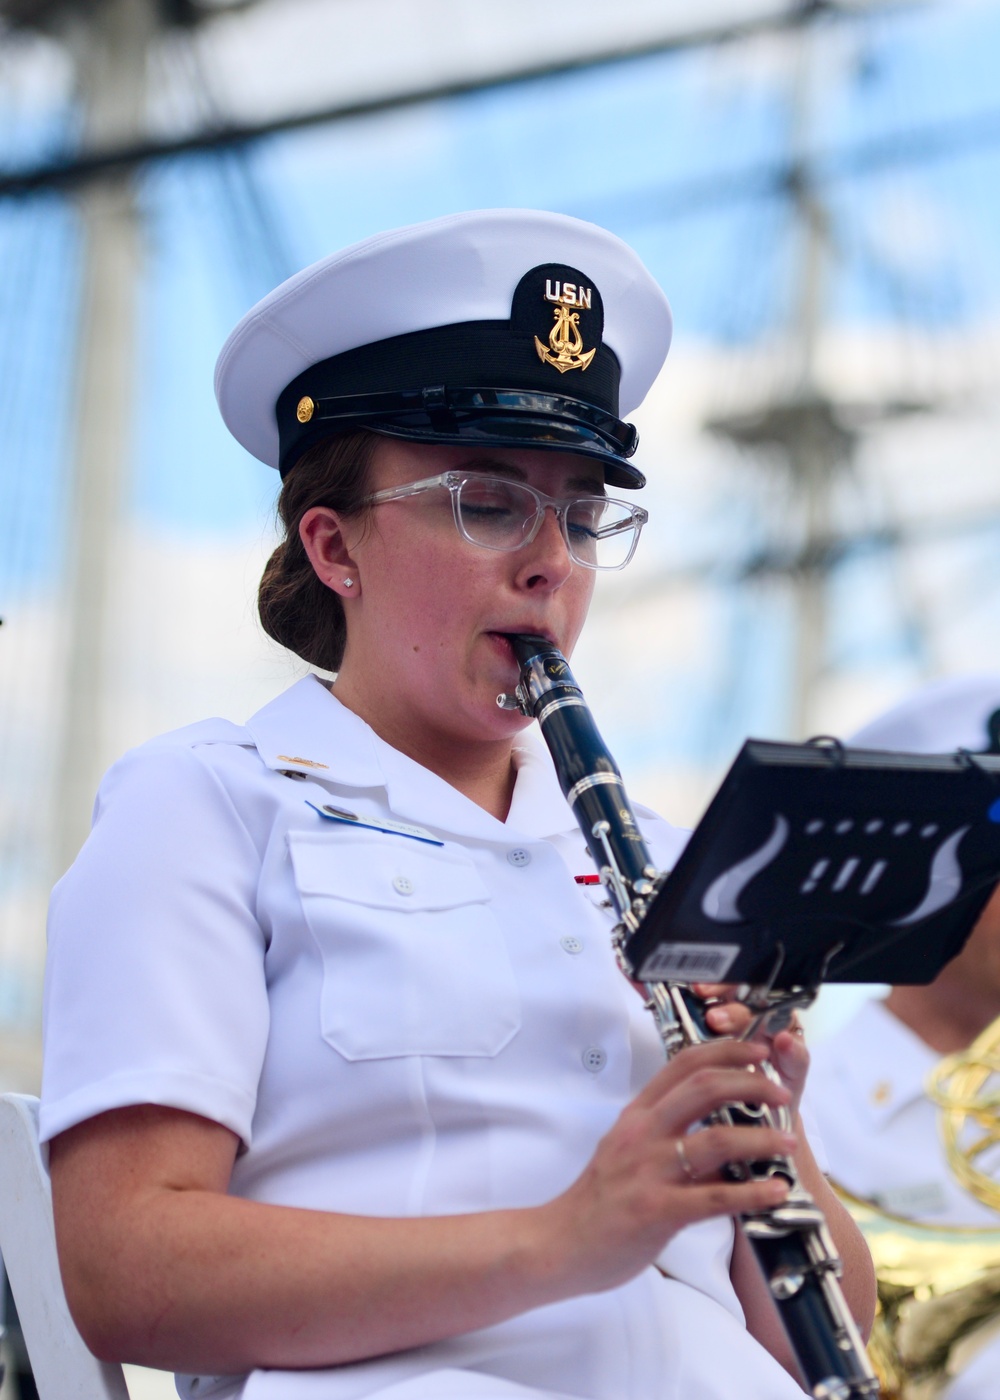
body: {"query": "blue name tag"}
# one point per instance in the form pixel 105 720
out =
pixel 340 814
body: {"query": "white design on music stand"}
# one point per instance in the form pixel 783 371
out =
pixel 719 902
pixel 945 881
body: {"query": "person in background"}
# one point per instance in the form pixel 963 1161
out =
pixel 866 1090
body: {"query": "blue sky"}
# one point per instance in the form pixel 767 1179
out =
pixel 610 145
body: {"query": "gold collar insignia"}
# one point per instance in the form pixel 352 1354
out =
pixel 302 762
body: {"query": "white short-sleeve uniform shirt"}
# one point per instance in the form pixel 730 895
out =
pixel 880 1135
pixel 412 1013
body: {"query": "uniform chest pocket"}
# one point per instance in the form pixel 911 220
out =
pixel 414 962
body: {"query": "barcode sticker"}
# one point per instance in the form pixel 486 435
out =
pixel 689 962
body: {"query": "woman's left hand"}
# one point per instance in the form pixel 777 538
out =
pixel 787 1049
pixel 787 1052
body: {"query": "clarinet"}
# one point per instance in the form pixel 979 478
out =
pixel 791 1241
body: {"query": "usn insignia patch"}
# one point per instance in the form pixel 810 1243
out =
pixel 565 348
pixel 562 311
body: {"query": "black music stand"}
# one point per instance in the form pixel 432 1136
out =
pixel 819 863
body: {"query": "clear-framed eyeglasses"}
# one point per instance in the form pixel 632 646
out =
pixel 500 513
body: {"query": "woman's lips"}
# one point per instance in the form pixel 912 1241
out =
pixel 502 642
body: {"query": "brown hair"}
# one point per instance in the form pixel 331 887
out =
pixel 295 608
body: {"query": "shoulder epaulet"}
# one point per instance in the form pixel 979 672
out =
pixel 204 731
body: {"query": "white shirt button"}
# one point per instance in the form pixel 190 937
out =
pixel 594 1059
pixel 519 856
pixel 402 884
pixel 571 944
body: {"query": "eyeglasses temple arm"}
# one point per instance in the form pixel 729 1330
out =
pixel 411 488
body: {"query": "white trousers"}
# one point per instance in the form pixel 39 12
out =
pixel 434 1385
pixel 654 1339
pixel 717 1360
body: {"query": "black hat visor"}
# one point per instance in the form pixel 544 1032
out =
pixel 482 417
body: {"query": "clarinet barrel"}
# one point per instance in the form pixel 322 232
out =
pixel 791 1242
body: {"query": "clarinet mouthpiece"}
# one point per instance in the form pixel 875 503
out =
pixel 526 646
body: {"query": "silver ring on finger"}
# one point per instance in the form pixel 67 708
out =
pixel 684 1160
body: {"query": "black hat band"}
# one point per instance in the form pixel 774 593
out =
pixel 461 375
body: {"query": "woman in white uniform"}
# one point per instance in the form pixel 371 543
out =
pixel 344 1094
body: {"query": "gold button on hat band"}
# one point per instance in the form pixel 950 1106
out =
pixel 305 409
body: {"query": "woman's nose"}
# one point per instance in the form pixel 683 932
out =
pixel 546 560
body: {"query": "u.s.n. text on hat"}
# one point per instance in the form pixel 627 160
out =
pixel 504 326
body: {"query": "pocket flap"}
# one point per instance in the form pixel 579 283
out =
pixel 384 871
pixel 388 912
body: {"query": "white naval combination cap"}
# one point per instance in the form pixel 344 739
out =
pixel 958 712
pixel 501 327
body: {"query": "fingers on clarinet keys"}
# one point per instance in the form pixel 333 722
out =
pixel 685 1160
pixel 722 1017
pixel 711 994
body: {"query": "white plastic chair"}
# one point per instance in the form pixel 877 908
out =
pixel 62 1366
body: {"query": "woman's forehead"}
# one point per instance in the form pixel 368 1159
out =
pixel 397 460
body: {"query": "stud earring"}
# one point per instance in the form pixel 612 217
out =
pixel 348 583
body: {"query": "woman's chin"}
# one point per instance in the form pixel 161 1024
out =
pixel 497 722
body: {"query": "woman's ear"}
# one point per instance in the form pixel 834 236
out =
pixel 322 536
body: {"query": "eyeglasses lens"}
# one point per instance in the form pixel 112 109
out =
pixel 500 514
pixel 495 513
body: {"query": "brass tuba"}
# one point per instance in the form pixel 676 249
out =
pixel 938 1291
pixel 966 1087
pixel 939 1285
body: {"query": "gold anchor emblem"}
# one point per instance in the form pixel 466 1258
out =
pixel 565 348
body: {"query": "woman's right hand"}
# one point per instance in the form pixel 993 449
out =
pixel 657 1171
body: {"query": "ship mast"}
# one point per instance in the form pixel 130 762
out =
pixel 109 43
pixel 801 424
pixel 110 47
pixel 805 425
